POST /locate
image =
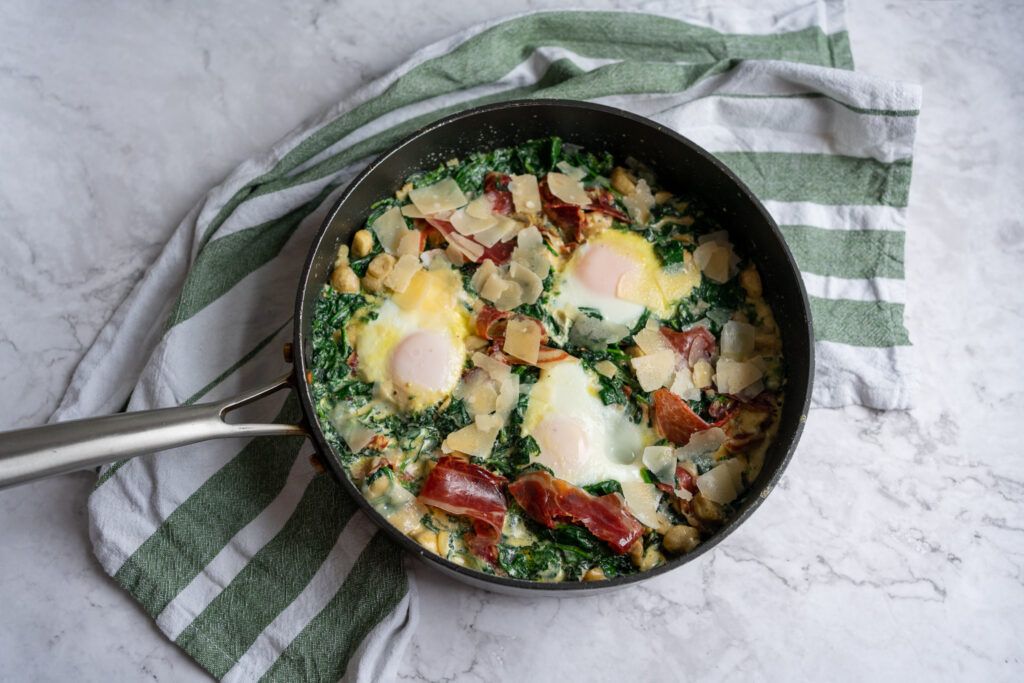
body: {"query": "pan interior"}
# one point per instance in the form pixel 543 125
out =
pixel 678 163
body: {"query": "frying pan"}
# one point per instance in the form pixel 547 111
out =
pixel 30 454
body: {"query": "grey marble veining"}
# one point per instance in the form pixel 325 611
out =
pixel 893 549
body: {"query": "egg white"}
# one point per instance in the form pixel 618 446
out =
pixel 582 440
pixel 433 301
pixel 647 285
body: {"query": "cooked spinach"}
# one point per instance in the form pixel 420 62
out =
pixel 603 488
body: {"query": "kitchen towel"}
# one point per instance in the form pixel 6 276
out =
pixel 255 562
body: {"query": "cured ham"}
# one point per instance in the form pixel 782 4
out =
pixel 496 189
pixel 673 418
pixel 694 344
pixel 499 253
pixel 462 488
pixel 550 501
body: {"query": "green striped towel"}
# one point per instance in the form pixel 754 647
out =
pixel 257 565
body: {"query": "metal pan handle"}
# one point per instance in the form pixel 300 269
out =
pixel 29 454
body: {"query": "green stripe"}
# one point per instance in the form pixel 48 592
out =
pixel 226 261
pixel 114 467
pixel 858 323
pixel 321 652
pixel 821 178
pixel 839 46
pixel 218 267
pixel 491 54
pixel 895 113
pixel 200 527
pixel 846 253
pixel 271 580
pixel 563 79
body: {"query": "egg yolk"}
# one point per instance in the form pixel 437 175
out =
pixel 423 359
pixel 563 445
pixel 602 268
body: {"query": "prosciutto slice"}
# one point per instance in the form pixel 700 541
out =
pixel 549 501
pixel 499 253
pixel 673 418
pixel 462 488
pixel 496 189
pixel 694 344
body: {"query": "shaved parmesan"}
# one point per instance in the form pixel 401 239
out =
pixel 481 399
pixel 470 249
pixel 651 340
pixel 642 500
pixel 522 340
pixel 732 377
pixel 510 298
pixel 494 287
pixel 724 482
pixel 443 196
pixel 525 193
pixel 486 423
pixel 468 225
pixel 508 394
pixel 470 440
pixel 639 203
pixel 528 280
pixel 486 270
pixel 661 461
pixel 389 228
pixel 502 231
pixel 411 211
pixel 497 370
pixel 481 207
pixel 531 252
pixel 713 261
pixel 683 387
pixel 400 276
pixel 737 340
pixel 703 442
pixel 567 189
pixel 655 370
pixel 409 243
pixel 573 172
pixel 607 368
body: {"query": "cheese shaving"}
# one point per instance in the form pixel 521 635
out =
pixel 492 366
pixel 654 371
pixel 642 499
pixel 389 228
pixel 494 287
pixel 400 276
pixel 574 172
pixel 532 285
pixel 409 243
pixel 480 207
pixel 443 196
pixel 522 340
pixel 410 211
pixel 470 249
pixel 510 298
pixel 568 189
pixel 486 270
pixel 470 440
pixel 525 193
pixel 468 225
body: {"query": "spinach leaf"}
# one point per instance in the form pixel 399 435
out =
pixel 603 488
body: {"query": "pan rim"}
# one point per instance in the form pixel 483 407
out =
pixel 800 394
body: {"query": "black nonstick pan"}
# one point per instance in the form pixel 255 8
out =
pixel 30 454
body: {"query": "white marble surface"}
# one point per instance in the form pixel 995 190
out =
pixel 894 548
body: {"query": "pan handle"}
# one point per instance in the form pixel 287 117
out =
pixel 29 454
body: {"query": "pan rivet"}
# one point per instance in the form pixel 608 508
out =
pixel 287 350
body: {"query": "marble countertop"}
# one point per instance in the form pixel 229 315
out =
pixel 894 548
